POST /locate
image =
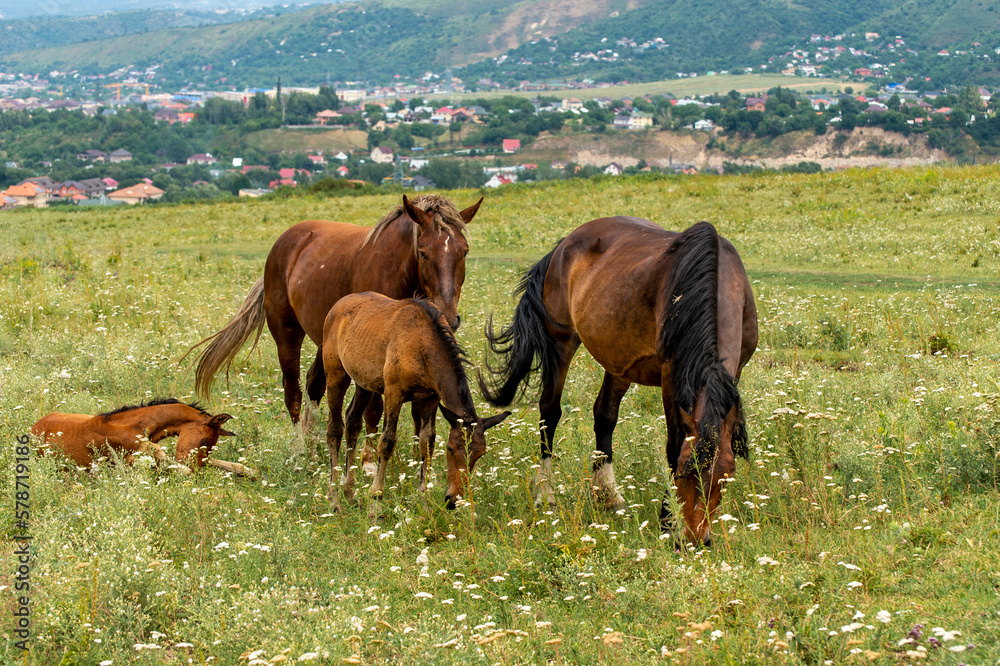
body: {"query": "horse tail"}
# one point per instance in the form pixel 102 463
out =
pixel 524 345
pixel 248 321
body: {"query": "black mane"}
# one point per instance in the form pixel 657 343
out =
pixel 153 403
pixel 688 339
pixel 458 357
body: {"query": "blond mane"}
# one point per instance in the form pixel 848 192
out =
pixel 446 217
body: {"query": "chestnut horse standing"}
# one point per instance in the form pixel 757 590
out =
pixel 653 307
pixel 417 249
pixel 135 429
pixel 405 351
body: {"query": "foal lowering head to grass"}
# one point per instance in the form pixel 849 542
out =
pixel 405 351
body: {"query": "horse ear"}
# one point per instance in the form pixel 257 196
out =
pixel 415 214
pixel 471 211
pixel 449 416
pixel 217 420
pixel 495 420
pixel 690 425
pixel 226 433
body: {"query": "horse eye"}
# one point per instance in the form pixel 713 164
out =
pixel 423 255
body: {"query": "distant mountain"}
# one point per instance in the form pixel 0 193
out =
pixel 48 31
pixel 385 40
pixel 374 40
pixel 12 9
pixel 728 34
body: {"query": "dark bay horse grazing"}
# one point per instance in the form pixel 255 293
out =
pixel 653 307
pixel 405 351
pixel 137 429
pixel 417 249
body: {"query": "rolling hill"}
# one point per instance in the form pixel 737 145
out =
pixel 385 40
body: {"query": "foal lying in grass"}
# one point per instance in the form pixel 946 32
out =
pixel 405 351
pixel 137 429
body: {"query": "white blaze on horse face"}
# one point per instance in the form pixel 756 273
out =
pixel 447 238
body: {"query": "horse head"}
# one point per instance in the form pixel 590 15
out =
pixel 200 437
pixel 441 251
pixel 466 445
pixel 706 463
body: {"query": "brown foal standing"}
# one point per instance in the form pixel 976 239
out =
pixel 405 351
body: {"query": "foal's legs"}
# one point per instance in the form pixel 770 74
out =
pixel 424 414
pixel 338 382
pixel 387 444
pixel 550 412
pixel 605 419
pixel 372 416
pixel 358 404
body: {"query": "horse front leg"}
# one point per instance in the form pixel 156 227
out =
pixel 161 458
pixel 605 419
pixel 675 441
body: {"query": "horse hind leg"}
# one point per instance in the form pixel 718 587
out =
pixel 550 411
pixel 354 417
pixel 315 387
pixel 336 388
pixel 373 414
pixel 288 336
pixel 605 419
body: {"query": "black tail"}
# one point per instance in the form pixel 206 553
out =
pixel 525 345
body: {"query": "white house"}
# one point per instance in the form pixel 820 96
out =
pixel 381 155
pixel 613 169
pixel 501 179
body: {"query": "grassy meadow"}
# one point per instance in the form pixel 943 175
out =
pixel 864 528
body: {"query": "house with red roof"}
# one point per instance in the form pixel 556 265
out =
pixel 511 145
pixel 28 194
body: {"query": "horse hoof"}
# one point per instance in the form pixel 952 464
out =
pixel 613 502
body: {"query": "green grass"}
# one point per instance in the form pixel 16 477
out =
pixel 871 487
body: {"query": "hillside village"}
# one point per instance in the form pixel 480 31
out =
pixel 406 135
pixel 406 132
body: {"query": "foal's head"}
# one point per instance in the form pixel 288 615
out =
pixel 707 462
pixel 466 445
pixel 441 248
pixel 199 437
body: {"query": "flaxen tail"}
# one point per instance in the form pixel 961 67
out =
pixel 526 344
pixel 248 321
